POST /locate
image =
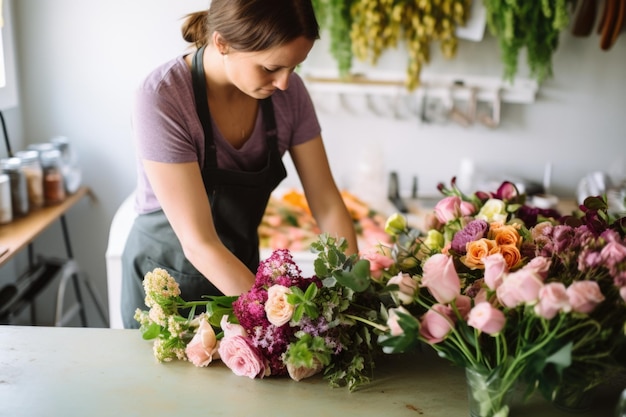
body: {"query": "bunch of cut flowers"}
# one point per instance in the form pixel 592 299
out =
pixel 485 291
pixel 286 324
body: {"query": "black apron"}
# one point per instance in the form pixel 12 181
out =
pixel 238 201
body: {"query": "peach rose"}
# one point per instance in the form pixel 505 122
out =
pixel 511 255
pixel 278 310
pixel 477 250
pixel 298 373
pixel 203 346
pixel 505 234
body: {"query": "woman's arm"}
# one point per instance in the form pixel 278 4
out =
pixel 321 191
pixel 180 191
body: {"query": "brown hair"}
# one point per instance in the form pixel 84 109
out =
pixel 252 25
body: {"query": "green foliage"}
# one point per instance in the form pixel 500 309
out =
pixel 519 25
pixel 334 15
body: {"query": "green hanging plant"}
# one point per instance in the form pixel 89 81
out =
pixel 335 16
pixel 520 24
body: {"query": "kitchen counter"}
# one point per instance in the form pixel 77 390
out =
pixel 46 371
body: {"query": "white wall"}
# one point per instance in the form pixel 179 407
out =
pixel 79 62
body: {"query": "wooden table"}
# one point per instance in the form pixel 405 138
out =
pixel 20 234
pixel 15 236
pixel 47 371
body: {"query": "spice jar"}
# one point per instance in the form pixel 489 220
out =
pixel 53 184
pixel 69 160
pixel 34 177
pixel 19 189
pixel 6 210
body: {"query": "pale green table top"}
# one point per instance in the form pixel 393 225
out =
pixel 65 372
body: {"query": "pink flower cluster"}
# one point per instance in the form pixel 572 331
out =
pixel 264 332
pixel 525 286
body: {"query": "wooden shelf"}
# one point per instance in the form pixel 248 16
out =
pixel 20 232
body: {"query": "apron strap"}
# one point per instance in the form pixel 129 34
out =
pixel 202 107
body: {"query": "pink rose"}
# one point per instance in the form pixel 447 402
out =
pixel 552 299
pixel 203 346
pixel 448 209
pixel 393 320
pixel 541 265
pixel 486 318
pixel 519 287
pixel 437 323
pixel 241 357
pixel 278 310
pixel 441 279
pixel 238 353
pixel 231 329
pixel 495 267
pixel 467 208
pixel 584 296
pixel 463 304
pixel 378 262
pixel 407 287
pixel 613 253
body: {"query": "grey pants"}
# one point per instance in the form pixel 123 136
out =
pixel 152 244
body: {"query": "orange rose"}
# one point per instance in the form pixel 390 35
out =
pixel 505 234
pixel 511 255
pixel 477 250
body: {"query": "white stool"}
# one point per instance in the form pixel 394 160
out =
pixel 120 228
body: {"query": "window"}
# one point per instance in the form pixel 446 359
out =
pixel 8 81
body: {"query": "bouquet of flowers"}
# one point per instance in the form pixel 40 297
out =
pixel 285 325
pixel 499 288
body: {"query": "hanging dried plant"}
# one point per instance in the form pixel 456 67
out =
pixel 366 28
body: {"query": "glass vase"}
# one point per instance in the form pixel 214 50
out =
pixel 489 395
pixel 573 397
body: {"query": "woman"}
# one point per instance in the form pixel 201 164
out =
pixel 210 129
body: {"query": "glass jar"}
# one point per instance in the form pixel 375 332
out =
pixel 6 209
pixel 69 159
pixel 34 177
pixel 53 183
pixel 19 188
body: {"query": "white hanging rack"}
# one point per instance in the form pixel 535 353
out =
pixel 456 87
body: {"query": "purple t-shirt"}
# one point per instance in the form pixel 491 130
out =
pixel 167 128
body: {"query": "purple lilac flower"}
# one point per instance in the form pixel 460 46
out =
pixel 474 230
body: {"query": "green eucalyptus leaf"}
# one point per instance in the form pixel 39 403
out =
pixel 151 331
pixel 350 280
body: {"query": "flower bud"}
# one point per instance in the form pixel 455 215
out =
pixel 395 224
